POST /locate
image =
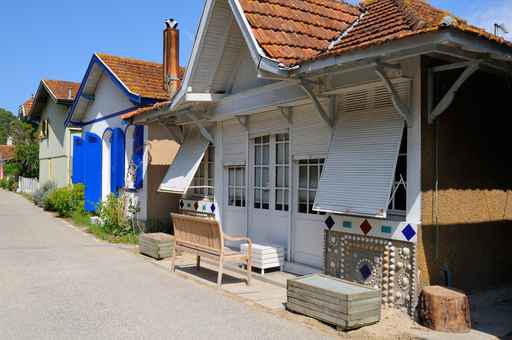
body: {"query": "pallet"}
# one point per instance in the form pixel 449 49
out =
pixel 345 304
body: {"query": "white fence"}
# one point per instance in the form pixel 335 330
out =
pixel 27 185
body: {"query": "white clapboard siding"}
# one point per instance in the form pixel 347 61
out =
pixel 271 122
pixel 234 142
pixel 185 165
pixel 311 135
pixel 359 171
pixel 210 54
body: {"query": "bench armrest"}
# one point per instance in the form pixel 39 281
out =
pixel 238 238
pixel 241 238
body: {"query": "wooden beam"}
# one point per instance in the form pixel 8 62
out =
pixel 305 85
pixel 286 112
pixel 201 128
pixel 244 121
pixel 449 96
pixel 402 109
pixel 203 97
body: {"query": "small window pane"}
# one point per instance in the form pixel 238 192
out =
pixel 265 177
pixel 313 177
pixel 257 155
pixel 303 177
pixel 280 177
pixel 280 152
pixel 266 155
pixel 231 177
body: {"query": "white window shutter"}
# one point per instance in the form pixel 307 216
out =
pixel 359 170
pixel 185 165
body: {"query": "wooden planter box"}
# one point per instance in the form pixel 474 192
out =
pixel 156 245
pixel 265 256
pixel 345 304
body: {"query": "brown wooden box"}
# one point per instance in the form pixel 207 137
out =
pixel 156 245
pixel 344 304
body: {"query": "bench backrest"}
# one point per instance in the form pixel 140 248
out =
pixel 198 232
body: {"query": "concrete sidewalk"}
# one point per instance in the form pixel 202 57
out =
pixel 59 283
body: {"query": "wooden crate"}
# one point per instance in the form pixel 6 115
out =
pixel 156 245
pixel 265 255
pixel 344 304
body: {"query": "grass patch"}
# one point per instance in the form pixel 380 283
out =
pixel 84 220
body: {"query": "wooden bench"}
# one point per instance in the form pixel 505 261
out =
pixel 204 237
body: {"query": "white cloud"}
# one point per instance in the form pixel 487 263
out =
pixel 496 12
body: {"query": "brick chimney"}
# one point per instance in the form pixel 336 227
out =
pixel 171 56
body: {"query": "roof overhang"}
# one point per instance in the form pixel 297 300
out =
pixel 43 93
pixel 87 89
pixel 450 42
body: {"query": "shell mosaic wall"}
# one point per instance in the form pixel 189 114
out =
pixel 385 263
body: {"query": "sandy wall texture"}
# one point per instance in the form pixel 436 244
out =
pixel 466 236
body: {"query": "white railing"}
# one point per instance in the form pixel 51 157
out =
pixel 27 185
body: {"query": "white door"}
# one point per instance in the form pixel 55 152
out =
pixel 308 225
pixel 269 189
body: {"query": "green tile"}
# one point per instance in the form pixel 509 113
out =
pixel 386 229
pixel 347 224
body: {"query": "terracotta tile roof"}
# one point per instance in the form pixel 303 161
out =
pixel 386 20
pixel 291 31
pixel 61 89
pixel 7 152
pixel 143 78
pixel 27 105
pixel 146 109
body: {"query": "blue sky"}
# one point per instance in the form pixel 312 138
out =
pixel 55 39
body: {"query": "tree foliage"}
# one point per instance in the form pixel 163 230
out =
pixel 6 117
pixel 26 157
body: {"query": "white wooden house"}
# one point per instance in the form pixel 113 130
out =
pixel 289 127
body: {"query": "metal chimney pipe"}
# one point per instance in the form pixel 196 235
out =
pixel 171 56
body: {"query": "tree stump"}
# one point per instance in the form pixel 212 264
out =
pixel 445 310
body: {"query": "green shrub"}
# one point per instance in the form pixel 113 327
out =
pixel 9 183
pixel 41 195
pixel 67 200
pixel 112 213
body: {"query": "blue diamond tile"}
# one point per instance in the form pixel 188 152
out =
pixel 365 271
pixel 182 204
pixel 212 208
pixel 329 222
pixel 408 232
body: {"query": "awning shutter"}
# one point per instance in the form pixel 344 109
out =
pixel 185 165
pixel 359 171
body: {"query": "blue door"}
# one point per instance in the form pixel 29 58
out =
pixel 78 160
pixel 92 171
pixel 138 155
pixel 117 156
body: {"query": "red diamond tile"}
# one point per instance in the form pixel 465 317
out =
pixel 365 227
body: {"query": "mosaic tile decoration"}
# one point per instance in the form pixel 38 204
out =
pixel 201 207
pixel 388 265
pixel 388 229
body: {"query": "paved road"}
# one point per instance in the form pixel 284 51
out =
pixel 58 283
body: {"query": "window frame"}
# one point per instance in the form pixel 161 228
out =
pixel 259 170
pixel 318 163
pixel 285 201
pixel 238 172
pixel 203 182
pixel 399 181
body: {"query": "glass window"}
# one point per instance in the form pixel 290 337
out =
pixel 236 186
pixel 203 183
pixel 398 198
pixel 282 167
pixel 261 172
pixel 309 176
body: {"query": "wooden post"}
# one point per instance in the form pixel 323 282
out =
pixel 445 310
